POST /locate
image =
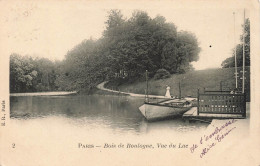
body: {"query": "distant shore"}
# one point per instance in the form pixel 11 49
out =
pixel 60 93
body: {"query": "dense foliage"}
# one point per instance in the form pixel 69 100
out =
pixel 30 75
pixel 141 43
pixel 126 50
pixel 230 62
pixel 161 74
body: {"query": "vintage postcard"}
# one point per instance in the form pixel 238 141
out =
pixel 154 83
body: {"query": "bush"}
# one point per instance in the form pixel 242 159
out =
pixel 162 74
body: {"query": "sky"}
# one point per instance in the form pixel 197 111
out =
pixel 51 28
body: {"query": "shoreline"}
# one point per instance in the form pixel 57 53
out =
pixel 58 93
pixel 101 87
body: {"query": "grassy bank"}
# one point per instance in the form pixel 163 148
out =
pixel 190 82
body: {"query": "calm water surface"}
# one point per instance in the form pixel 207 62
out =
pixel 118 114
pixel 48 130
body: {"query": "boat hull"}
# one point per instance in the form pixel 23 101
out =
pixel 157 112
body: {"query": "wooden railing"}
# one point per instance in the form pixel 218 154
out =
pixel 214 102
pixel 213 92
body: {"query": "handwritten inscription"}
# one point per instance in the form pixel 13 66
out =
pixel 219 138
pixel 210 141
pixel 205 150
pixel 194 146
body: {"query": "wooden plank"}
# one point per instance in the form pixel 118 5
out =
pixel 214 94
pixel 216 91
pixel 190 112
pixel 219 115
pixel 198 103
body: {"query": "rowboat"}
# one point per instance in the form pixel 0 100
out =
pixel 164 109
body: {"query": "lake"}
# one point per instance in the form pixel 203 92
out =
pixel 50 130
pixel 117 114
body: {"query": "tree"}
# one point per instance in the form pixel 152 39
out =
pixel 45 80
pixel 127 48
pixel 142 43
pixel 161 74
pixel 22 73
pixel 30 75
pixel 83 67
pixel 230 62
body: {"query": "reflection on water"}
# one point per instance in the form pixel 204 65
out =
pixel 117 113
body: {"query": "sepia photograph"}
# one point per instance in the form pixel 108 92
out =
pixel 129 83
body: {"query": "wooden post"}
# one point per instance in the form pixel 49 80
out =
pixel 198 102
pixel 244 105
pixel 179 89
pixel 220 86
pixel 146 75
